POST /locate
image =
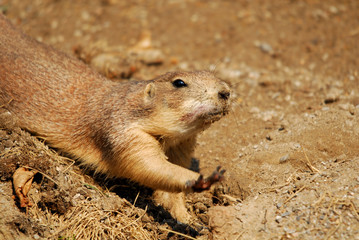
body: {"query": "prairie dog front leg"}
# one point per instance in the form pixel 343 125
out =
pixel 175 203
pixel 144 161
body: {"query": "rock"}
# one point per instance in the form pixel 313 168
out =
pixel 264 47
pixel 224 222
pixel 268 115
pixel 284 158
pixel 333 9
pixel 254 110
pixel 296 145
pixel 285 214
pixel 333 95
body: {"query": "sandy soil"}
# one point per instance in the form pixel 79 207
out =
pixel 290 145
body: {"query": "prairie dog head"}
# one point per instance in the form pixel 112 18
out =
pixel 186 102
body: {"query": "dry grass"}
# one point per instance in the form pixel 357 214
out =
pixel 88 221
pixel 105 216
pixel 309 164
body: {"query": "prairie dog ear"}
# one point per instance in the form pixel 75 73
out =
pixel 150 92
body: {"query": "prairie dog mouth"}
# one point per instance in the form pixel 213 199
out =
pixel 205 114
pixel 211 117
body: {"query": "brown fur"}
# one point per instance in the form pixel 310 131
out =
pixel 145 130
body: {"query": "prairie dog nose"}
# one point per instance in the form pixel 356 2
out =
pixel 224 94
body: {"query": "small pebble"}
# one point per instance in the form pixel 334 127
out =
pixel 85 15
pixel 285 214
pixel 284 158
pixel 265 47
pixel 297 145
pixel 36 236
pixel 333 9
pixel 278 219
pixel 54 24
pixel 254 110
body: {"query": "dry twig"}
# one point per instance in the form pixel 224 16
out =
pixel 294 194
pixel 42 173
pixel 309 164
pixel 177 233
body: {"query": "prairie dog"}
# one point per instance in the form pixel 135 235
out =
pixel 141 130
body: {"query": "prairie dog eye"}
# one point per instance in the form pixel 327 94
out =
pixel 179 83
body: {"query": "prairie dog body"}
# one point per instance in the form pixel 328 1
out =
pixel 141 130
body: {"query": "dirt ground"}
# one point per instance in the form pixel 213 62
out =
pixel 290 145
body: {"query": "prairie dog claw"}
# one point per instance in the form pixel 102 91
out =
pixel 202 184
